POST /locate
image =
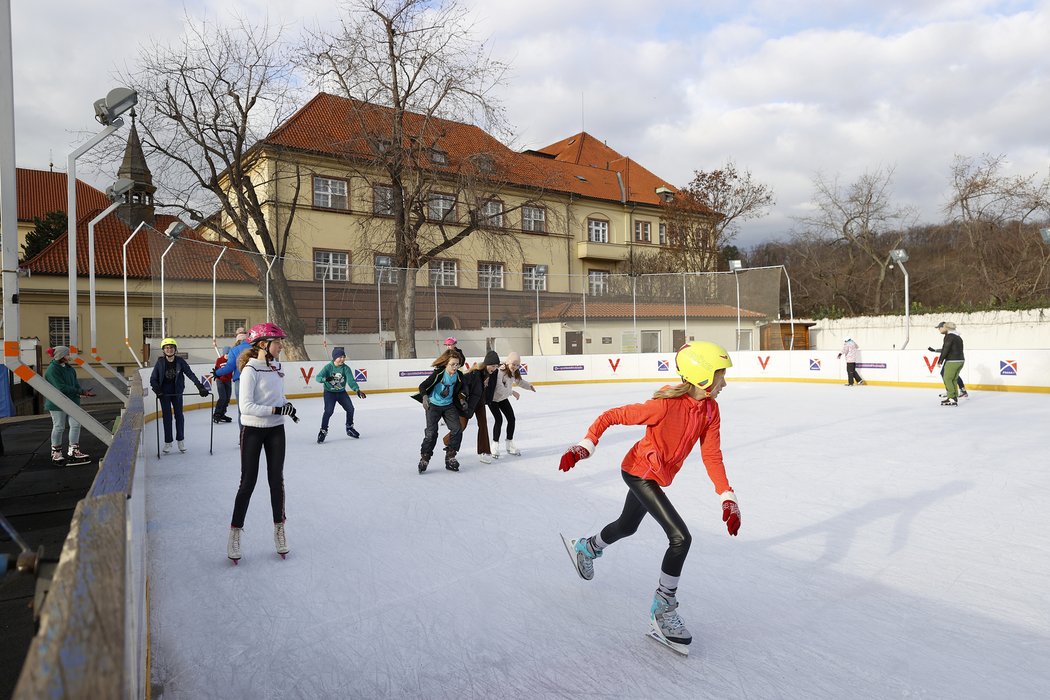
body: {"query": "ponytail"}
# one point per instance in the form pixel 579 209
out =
pixel 672 392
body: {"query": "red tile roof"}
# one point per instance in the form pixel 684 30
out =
pixel 649 310
pixel 339 127
pixel 185 262
pixel 41 192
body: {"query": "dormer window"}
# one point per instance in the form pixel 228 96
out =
pixel 438 157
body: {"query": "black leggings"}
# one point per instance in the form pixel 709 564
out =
pixel 253 442
pixel 500 409
pixel 851 373
pixel 646 496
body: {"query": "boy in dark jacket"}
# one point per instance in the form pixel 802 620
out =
pixel 168 382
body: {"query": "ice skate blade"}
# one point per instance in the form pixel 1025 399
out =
pixel 235 561
pixel 283 555
pixel 570 547
pixel 681 649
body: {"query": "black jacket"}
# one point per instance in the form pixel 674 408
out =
pixel 460 402
pixel 952 350
pixel 172 373
pixel 476 390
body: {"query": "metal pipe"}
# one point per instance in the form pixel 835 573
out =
pixel 268 268
pixel 163 315
pixel 127 341
pixel 214 280
pixel 791 310
pixel 324 307
pixel 91 305
pixel 907 306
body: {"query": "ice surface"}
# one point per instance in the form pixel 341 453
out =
pixel 890 547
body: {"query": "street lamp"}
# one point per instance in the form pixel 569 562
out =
pixel 900 256
pixel 735 266
pixel 109 108
pixel 540 274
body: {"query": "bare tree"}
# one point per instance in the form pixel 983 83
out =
pixel 409 65
pixel 863 216
pixel 205 102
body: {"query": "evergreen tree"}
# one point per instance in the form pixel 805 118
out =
pixel 44 231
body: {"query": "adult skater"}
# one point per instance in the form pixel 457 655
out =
pixel 958 380
pixel 168 382
pixel 263 408
pixel 674 419
pixel 336 377
pixel 508 377
pixel 231 367
pixel 223 389
pixel 63 376
pixel 478 387
pixel 951 360
pixel 442 397
pixel 851 351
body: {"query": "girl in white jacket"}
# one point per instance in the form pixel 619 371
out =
pixel 263 408
pixel 507 377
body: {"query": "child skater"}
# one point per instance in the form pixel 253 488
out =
pixel 168 382
pixel 263 408
pixel 508 377
pixel 223 388
pixel 336 377
pixel 674 419
pixel 478 387
pixel 442 399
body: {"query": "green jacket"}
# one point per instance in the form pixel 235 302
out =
pixel 337 379
pixel 64 378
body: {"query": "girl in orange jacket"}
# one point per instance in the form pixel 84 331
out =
pixel 674 419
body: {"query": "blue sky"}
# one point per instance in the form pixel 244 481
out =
pixel 786 90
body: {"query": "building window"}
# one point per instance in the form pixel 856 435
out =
pixel 643 231
pixel 58 330
pixel 383 200
pixel 490 275
pixel 438 157
pixel 443 273
pixel 384 270
pixel 597 231
pixel 230 326
pixel 319 326
pixel 492 213
pixel 663 233
pixel 533 279
pixel 342 325
pixel 440 207
pixel 329 193
pixel 533 219
pixel 339 262
pixel 151 328
pixel 598 282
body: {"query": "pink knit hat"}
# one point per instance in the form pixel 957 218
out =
pixel 450 341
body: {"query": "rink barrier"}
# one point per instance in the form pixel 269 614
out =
pixel 93 623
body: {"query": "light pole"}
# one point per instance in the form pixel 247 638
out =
pixel 900 256
pixel 735 266
pixel 541 274
pixel 173 232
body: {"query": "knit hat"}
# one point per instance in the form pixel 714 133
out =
pixel 491 358
pixel 513 357
pixel 945 324
pixel 61 351
pixel 240 337
pixel 450 341
pixel 338 352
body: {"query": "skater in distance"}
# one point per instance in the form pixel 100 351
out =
pixel 675 419
pixel 443 399
pixel 951 360
pixel 168 381
pixel 336 377
pixel 851 350
pixel 958 380
pixel 506 378
pixel 263 408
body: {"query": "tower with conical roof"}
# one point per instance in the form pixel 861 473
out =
pixel 138 202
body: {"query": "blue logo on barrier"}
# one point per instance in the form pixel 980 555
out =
pixel 814 365
pixel 360 375
pixel 663 366
pixel 524 368
pixel 1008 368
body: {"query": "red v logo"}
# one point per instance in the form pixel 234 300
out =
pixel 763 361
pixel 930 364
pixel 615 364
pixel 306 374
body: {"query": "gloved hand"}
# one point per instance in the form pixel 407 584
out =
pixel 933 349
pixel 426 402
pixel 204 391
pixel 286 410
pixel 361 394
pixel 574 454
pixel 730 513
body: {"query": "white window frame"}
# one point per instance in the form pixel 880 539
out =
pixel 643 232
pixel 388 275
pixel 534 219
pixel 58 330
pixel 597 282
pixel 444 273
pixel 441 213
pixel 597 230
pixel 383 200
pixel 438 157
pixel 531 281
pixel 327 193
pixel 490 275
pixel 340 261
pixel 492 212
pixel 230 326
pixel 662 229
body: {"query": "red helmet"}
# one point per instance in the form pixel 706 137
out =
pixel 265 331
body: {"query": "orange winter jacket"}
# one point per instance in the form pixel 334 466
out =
pixel 672 427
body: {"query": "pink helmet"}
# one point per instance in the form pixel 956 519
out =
pixel 265 331
pixel 450 341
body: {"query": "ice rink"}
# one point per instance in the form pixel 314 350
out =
pixel 890 548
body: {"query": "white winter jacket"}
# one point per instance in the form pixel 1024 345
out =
pixel 505 385
pixel 850 350
pixel 262 390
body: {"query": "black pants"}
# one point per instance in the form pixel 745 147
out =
pixel 223 389
pixel 331 398
pixel 500 409
pixel 646 496
pixel 430 436
pixel 851 373
pixel 253 442
pixel 171 403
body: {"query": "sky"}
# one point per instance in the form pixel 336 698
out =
pixel 889 548
pixel 787 91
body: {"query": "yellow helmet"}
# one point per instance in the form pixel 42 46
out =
pixel 168 341
pixel 698 361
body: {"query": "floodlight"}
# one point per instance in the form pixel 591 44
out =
pixel 115 103
pixel 735 265
pixel 541 270
pixel 175 230
pixel 899 255
pixel 119 188
pixel 665 193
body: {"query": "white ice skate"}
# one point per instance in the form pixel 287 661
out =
pixel 485 458
pixel 279 540
pixel 511 449
pixel 182 445
pixel 582 556
pixel 666 626
pixel 167 448
pixel 233 547
pixel 495 450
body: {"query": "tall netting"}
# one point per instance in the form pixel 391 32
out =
pixel 200 292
